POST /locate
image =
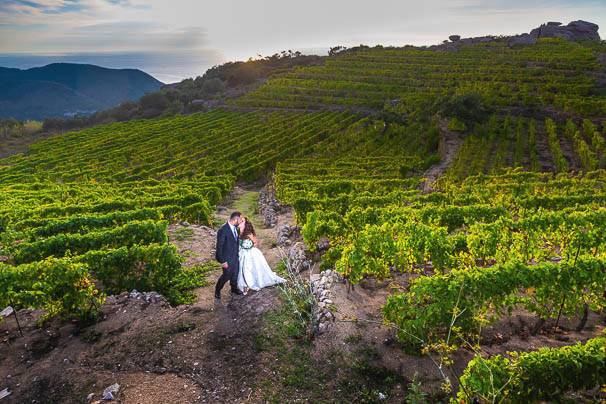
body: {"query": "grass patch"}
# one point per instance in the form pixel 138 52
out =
pixel 190 254
pixel 248 204
pixel 296 372
pixel 281 268
pixel 335 377
pixel 183 233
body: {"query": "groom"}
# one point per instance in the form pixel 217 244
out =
pixel 227 254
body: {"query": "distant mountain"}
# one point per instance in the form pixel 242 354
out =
pixel 66 89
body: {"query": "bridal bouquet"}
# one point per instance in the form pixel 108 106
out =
pixel 246 244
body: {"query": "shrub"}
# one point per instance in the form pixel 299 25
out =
pixel 468 108
pixel 545 374
pixel 213 86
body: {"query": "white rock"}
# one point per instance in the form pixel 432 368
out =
pixel 111 391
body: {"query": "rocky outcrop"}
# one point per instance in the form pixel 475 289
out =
pixel 456 42
pixel 524 39
pixel 148 297
pixel 575 31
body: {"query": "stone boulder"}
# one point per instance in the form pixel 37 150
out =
pixel 524 39
pixel 297 258
pixel 283 235
pixel 575 31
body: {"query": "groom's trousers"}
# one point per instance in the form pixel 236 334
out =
pixel 230 274
pixel 227 251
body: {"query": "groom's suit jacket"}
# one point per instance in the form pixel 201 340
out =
pixel 227 247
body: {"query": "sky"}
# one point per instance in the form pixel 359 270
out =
pixel 177 38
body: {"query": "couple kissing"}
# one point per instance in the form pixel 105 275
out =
pixel 243 264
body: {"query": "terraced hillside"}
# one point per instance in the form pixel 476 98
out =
pixel 477 248
pixel 552 74
pixel 514 227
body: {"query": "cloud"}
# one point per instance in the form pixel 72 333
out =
pixel 37 7
pixel 243 28
pixel 89 25
pixel 132 36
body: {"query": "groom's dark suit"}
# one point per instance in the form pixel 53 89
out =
pixel 227 251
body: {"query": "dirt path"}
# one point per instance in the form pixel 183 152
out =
pixel 204 352
pixel 450 142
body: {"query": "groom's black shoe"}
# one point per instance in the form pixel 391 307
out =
pixel 237 292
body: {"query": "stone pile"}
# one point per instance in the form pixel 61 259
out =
pixel 287 234
pixel 149 297
pixel 297 258
pixel 269 206
pixel 320 285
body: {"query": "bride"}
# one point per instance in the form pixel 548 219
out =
pixel 254 272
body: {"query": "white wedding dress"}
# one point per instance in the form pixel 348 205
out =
pixel 255 272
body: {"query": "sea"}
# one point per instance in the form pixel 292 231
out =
pixel 165 66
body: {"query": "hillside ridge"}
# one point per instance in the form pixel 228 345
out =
pixel 65 89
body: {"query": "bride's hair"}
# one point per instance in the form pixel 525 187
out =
pixel 248 229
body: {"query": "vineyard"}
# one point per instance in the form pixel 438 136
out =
pixel 476 250
pixel 86 214
pixel 553 73
pixel 532 145
pixel 515 224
